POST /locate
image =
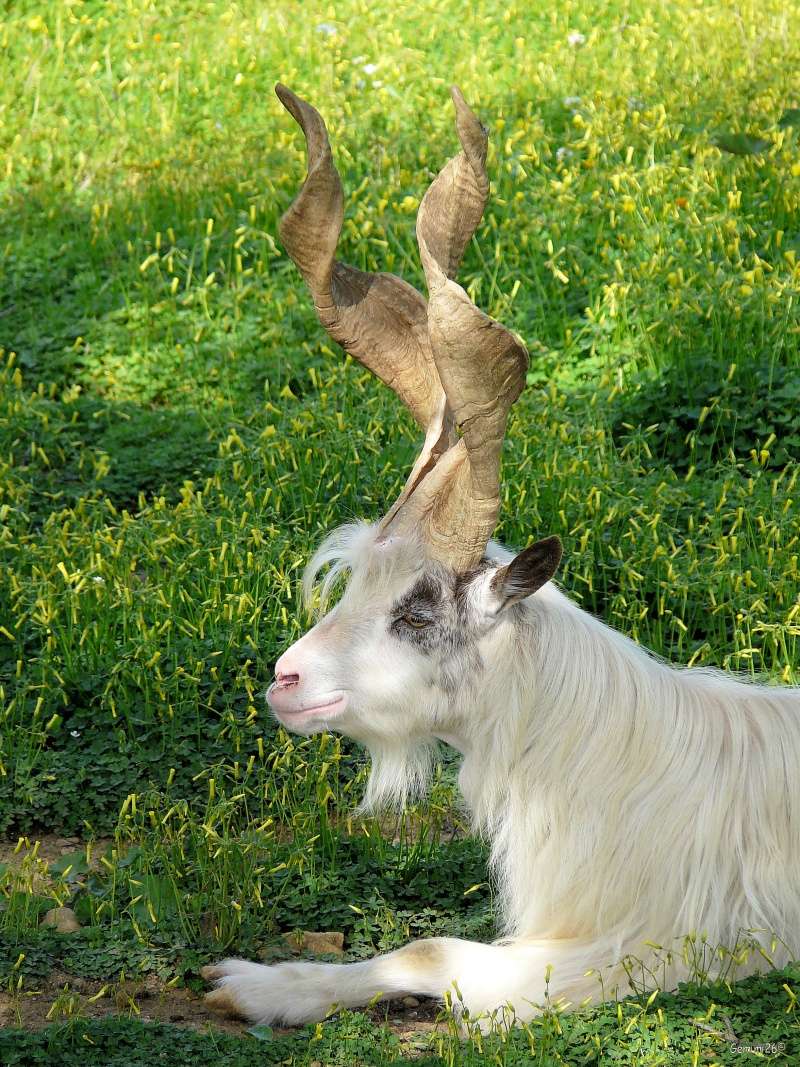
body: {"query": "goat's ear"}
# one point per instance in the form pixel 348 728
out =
pixel 527 572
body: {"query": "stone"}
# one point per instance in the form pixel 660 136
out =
pixel 410 1002
pixel 63 920
pixel 126 993
pixel 318 943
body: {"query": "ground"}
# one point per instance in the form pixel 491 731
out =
pixel 177 433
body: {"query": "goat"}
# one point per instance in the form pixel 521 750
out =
pixel 625 799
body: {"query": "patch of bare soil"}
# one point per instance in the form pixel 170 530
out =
pixel 410 1024
pixel 62 996
pixel 49 848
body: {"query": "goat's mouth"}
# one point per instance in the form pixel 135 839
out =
pixel 319 707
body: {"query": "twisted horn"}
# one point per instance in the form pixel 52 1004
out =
pixel 379 319
pixel 447 361
pixel 481 365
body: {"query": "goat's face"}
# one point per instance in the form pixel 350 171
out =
pixel 415 622
pixel 405 640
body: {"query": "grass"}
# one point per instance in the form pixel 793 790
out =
pixel 176 433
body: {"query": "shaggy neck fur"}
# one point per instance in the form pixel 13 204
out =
pixel 628 796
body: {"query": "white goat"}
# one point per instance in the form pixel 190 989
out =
pixel 626 801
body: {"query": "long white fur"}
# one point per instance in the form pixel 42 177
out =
pixel 627 801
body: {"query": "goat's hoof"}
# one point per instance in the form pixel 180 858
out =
pixel 252 991
pixel 227 976
pixel 221 1001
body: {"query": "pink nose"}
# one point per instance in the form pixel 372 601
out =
pixel 286 673
pixel 282 694
pixel 283 680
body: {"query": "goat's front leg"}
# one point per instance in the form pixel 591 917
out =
pixel 483 978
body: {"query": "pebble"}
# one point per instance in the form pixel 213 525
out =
pixel 410 1002
pixel 64 920
pixel 315 941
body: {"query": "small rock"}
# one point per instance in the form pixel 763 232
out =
pixel 126 993
pixel 152 985
pixel 410 1002
pixel 316 942
pixel 64 920
pixel 56 981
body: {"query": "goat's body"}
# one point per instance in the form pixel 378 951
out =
pixel 624 795
pixel 627 802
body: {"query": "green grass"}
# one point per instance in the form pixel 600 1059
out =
pixel 176 431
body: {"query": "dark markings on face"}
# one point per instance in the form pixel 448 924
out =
pixel 439 606
pixel 429 604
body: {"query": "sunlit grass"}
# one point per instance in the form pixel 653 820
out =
pixel 176 431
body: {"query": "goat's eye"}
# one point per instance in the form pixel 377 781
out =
pixel 416 622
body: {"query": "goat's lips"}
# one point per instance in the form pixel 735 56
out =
pixel 284 702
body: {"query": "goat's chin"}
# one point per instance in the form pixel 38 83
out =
pixel 308 727
pixel 314 719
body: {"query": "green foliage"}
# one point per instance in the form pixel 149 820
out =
pixel 76 448
pixel 740 144
pixel 129 1043
pixel 219 876
pixel 100 952
pixel 176 432
pixel 706 415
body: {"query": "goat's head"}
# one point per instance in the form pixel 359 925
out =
pixel 426 590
